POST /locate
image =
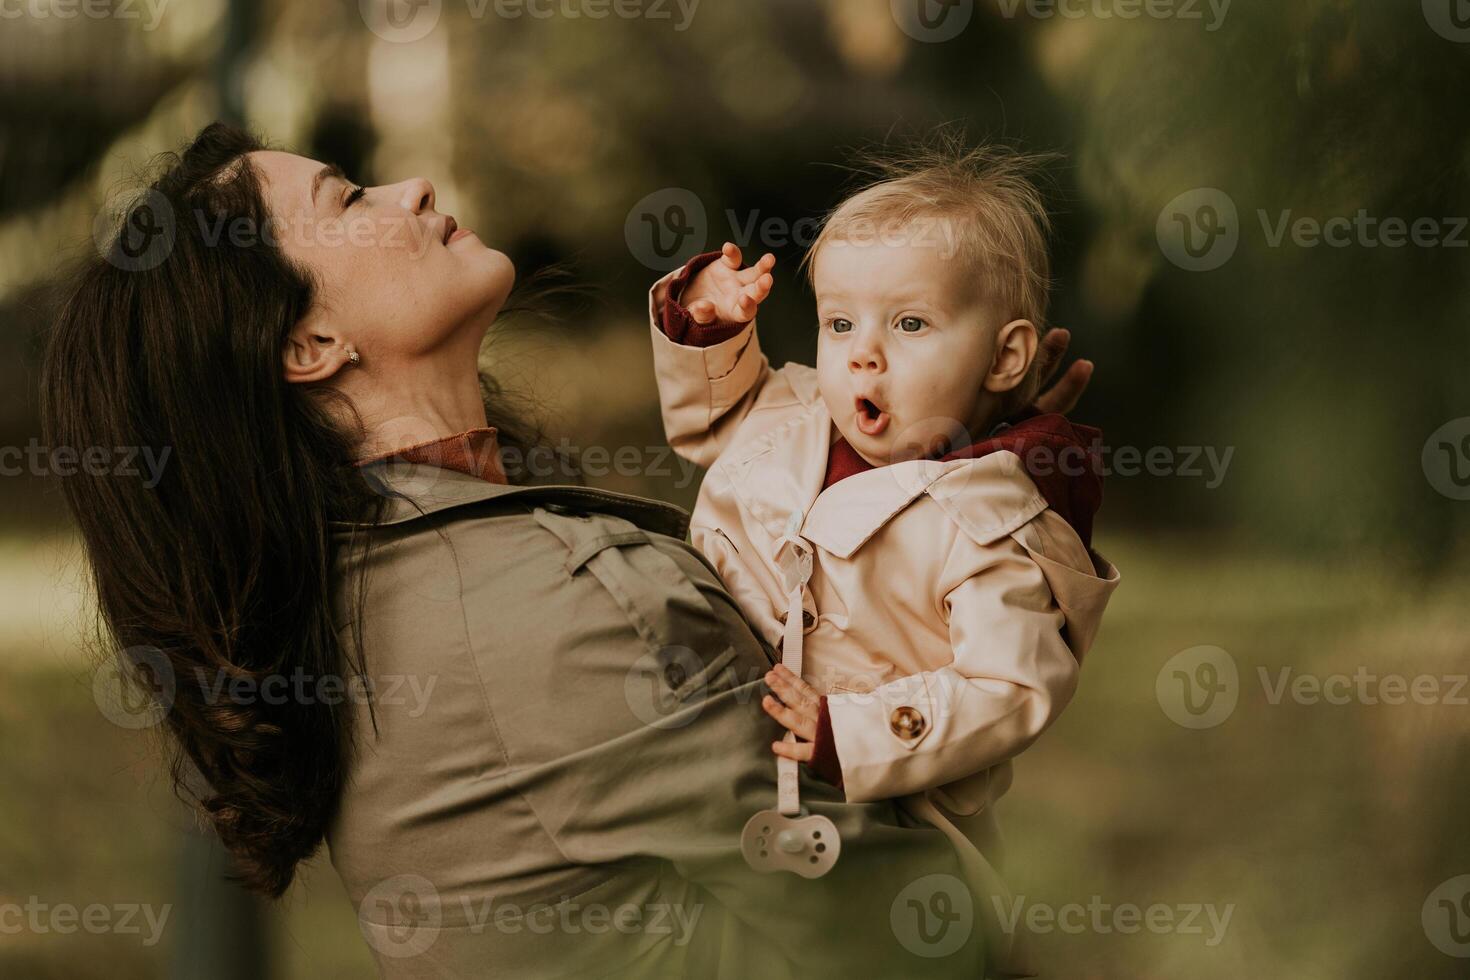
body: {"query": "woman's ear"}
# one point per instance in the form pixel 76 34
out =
pixel 1015 349
pixel 314 352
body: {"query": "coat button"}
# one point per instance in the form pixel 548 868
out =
pixel 808 621
pixel 675 675
pixel 907 722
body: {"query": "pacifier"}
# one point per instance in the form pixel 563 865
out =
pixel 806 845
pixel 788 838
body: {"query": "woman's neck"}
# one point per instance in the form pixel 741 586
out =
pixel 408 406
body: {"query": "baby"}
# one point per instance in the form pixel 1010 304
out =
pixel 932 532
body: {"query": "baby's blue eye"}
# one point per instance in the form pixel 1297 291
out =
pixel 910 324
pixel 840 325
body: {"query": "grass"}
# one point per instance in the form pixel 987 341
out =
pixel 1321 827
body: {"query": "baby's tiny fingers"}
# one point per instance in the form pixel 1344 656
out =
pixel 731 254
pixel 793 721
pixel 790 692
pixel 702 310
pixel 800 751
pixel 765 265
pixel 782 677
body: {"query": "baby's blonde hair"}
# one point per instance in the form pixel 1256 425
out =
pixel 986 206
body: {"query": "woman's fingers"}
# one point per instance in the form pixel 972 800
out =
pixel 1063 396
pixel 1049 355
pixel 800 751
pixel 805 726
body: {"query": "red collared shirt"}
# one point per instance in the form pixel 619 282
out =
pixel 476 452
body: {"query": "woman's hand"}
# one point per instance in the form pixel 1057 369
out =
pixel 1063 396
pixel 724 293
pixel 797 711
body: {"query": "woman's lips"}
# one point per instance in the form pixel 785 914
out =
pixel 871 420
pixel 460 233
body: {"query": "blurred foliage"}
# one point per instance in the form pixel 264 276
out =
pixel 1325 368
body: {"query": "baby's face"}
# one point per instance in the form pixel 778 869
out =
pixel 905 345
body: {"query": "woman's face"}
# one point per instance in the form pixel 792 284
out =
pixel 397 279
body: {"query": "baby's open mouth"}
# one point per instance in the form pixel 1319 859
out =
pixel 871 420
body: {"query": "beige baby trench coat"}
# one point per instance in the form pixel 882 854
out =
pixel 949 608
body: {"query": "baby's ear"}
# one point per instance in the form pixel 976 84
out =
pixel 1015 349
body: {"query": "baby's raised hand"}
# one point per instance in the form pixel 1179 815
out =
pixel 724 293
pixel 797 710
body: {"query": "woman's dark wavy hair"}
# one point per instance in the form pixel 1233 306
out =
pixel 224 570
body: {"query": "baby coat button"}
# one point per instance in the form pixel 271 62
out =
pixel 907 722
pixel 675 675
pixel 808 620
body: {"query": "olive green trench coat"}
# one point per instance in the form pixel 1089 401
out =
pixel 564 743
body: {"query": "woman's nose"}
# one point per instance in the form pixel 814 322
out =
pixel 417 195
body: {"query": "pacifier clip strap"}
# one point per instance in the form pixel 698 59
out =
pixel 788 796
pixel 797 570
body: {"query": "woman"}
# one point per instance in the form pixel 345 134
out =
pixel 526 718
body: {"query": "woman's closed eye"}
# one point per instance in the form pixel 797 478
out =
pixel 353 197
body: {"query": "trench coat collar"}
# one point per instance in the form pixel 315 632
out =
pixel 781 473
pixel 416 491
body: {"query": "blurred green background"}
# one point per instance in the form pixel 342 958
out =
pixel 1193 141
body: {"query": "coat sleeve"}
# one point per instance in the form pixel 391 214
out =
pixel 1013 672
pixel 704 392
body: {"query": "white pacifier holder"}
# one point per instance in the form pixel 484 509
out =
pixel 788 839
